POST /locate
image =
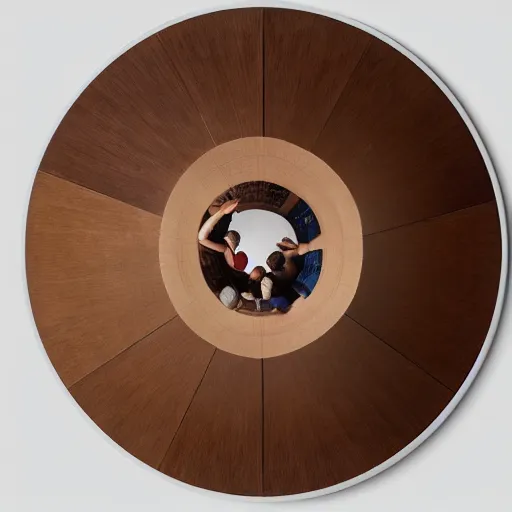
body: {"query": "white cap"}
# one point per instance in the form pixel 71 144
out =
pixel 229 297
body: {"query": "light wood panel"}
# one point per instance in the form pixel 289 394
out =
pixel 339 407
pixel 219 57
pixel 219 443
pixel 308 61
pixel 287 165
pixel 132 132
pixel 400 145
pixel 430 289
pixel 93 275
pixel 140 397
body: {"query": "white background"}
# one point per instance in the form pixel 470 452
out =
pixel 52 458
pixel 259 232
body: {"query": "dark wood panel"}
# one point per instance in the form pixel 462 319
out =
pixel 219 57
pixel 93 275
pixel 218 446
pixel 339 407
pixel 400 145
pixel 308 61
pixel 430 289
pixel 132 132
pixel 140 397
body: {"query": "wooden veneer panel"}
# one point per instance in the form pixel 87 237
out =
pixel 339 407
pixel 132 132
pixel 219 57
pixel 219 444
pixel 287 165
pixel 140 397
pixel 308 61
pixel 93 275
pixel 429 289
pixel 400 145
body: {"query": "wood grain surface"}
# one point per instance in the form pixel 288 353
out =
pixel 400 145
pixel 140 397
pixel 332 407
pixel 219 444
pixel 289 166
pixel 308 61
pixel 339 407
pixel 219 57
pixel 132 132
pixel 429 289
pixel 93 275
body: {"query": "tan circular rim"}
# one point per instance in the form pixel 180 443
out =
pixel 277 161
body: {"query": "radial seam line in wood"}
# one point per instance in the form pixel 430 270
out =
pixel 262 427
pixel 426 219
pixel 47 173
pixel 400 353
pixel 187 409
pixel 263 70
pixel 184 85
pixel 356 67
pixel 123 351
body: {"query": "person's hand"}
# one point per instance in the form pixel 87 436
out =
pixel 303 249
pixel 286 245
pixel 229 206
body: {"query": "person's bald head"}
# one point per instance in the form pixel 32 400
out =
pixel 257 273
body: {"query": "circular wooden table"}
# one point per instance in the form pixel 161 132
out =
pixel 414 258
pixel 275 161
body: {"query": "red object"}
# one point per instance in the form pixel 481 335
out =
pixel 240 260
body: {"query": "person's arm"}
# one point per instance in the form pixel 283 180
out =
pixel 213 209
pixel 314 245
pixel 215 246
pixel 266 288
pixel 290 249
pixel 208 226
pixel 291 253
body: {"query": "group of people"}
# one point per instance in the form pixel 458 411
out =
pixel 272 290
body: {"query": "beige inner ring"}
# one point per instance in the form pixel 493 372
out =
pixel 276 161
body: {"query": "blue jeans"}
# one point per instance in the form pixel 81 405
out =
pixel 310 273
pixel 280 303
pixel 304 222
